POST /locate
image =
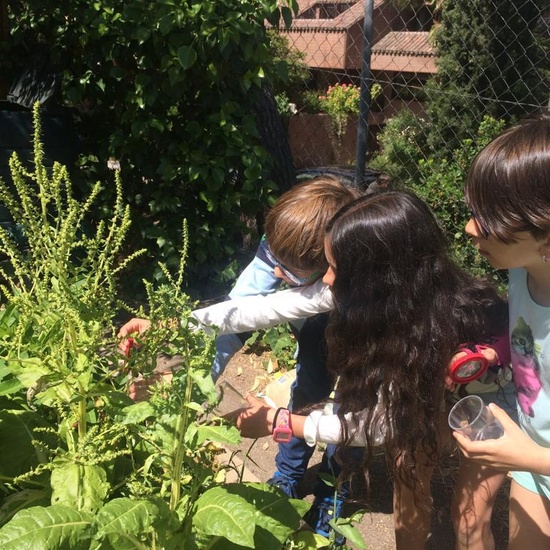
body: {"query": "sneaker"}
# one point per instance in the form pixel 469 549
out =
pixel 321 512
pixel 286 484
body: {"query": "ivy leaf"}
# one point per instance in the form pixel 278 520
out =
pixel 187 56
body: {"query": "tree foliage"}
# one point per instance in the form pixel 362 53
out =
pixel 490 63
pixel 166 89
pixel 293 71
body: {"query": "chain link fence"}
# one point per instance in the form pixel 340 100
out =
pixel 437 70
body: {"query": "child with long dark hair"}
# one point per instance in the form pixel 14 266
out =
pixel 402 309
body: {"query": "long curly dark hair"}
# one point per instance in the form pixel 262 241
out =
pixel 402 307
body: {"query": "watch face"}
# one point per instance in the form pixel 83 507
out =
pixel 282 432
pixel 282 435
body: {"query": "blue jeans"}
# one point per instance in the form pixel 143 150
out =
pixel 313 384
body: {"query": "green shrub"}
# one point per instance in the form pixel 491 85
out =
pixel 284 106
pixel 440 183
pixel 340 102
pixel 402 147
pixel 291 70
pixel 81 465
pixel 310 102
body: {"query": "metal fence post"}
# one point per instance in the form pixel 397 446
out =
pixel 364 98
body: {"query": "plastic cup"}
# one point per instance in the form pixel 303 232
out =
pixel 230 400
pixel 472 418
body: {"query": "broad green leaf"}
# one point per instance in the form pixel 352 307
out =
pixel 118 541
pixel 274 516
pixel 8 387
pixel 328 479
pixel 29 371
pixel 204 382
pixel 219 434
pixel 137 413
pixel 350 532
pixel 195 407
pixel 278 515
pixel 222 514
pixel 124 515
pixel 287 16
pixel 82 486
pixel 17 450
pixel 55 393
pixel 54 527
pixel 4 369
pixel 309 539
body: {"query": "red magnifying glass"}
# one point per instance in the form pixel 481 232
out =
pixel 470 367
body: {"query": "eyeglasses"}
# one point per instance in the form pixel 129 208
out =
pixel 481 226
pixel 294 279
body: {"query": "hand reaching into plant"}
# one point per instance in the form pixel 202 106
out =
pixel 133 326
pixel 139 388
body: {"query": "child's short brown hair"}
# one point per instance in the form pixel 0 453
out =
pixel 508 184
pixel 295 225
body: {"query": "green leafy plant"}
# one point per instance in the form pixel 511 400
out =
pixel 291 70
pixel 82 465
pixel 284 106
pixel 402 147
pixel 280 343
pixel 474 78
pixel 341 102
pixel 309 102
pixel 404 155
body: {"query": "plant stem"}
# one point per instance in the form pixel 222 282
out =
pixel 181 429
pixel 81 415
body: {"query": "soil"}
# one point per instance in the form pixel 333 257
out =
pixel 247 373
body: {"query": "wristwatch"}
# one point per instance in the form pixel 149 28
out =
pixel 282 426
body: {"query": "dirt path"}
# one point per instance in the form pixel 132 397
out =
pixel 247 373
